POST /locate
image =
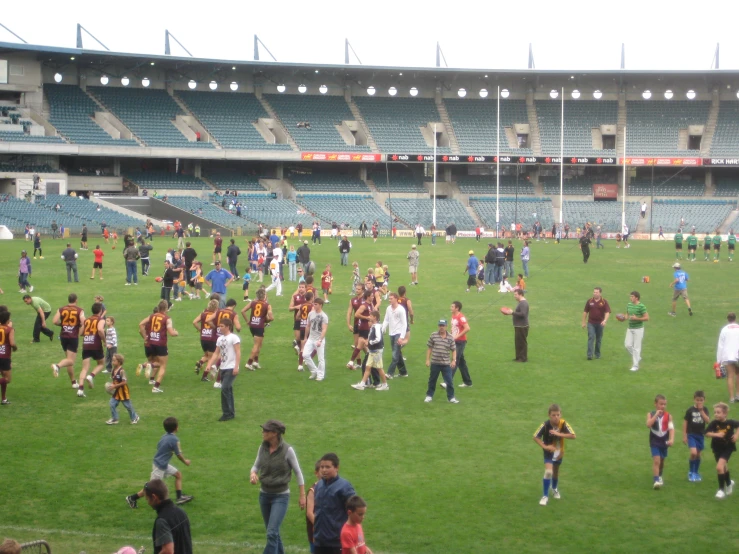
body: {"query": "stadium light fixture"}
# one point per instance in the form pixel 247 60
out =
pixel 234 86
pixel 392 91
pixel 104 80
pixel 553 94
pixel 505 93
pixel 234 68
pixel 58 77
pixel 212 85
pixel 668 94
pixel 575 94
pixel 691 94
pixel 323 89
pixel 152 63
pixel 145 82
pixel 647 94
pixel 737 93
pixel 414 91
pixel 302 89
pixel 462 93
pixel 281 88
pixel 71 58
pixel 597 94
pixel 483 93
pixel 125 81
pixel 191 84
pixel 371 90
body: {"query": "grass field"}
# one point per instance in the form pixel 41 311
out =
pixel 438 478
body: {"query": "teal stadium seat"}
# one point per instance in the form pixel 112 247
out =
pixel 525 210
pixel 581 116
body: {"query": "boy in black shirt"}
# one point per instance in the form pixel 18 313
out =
pixel 694 426
pixel 724 434
pixel 549 436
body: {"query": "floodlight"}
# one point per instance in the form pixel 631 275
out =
pixel 647 94
pixel 58 77
pixel 323 89
pixel 505 93
pixel 575 94
pixel 669 94
pixel 280 88
pixel 212 85
pixel 597 94
pixel 392 91
pixel 461 93
pixel 145 82
pixel 192 84
pixel 104 80
pixel 690 94
pixel 125 81
pixel 483 93
pixel 302 89
pixel 234 86
pixel 553 94
pixel 414 91
pixel 371 90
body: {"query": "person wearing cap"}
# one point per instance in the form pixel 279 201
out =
pixel 471 270
pixel 413 256
pixel 304 255
pixel 276 461
pixel 219 279
pixel 441 347
pixel 680 286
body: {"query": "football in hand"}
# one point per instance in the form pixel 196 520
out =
pixel 506 311
pixel 621 317
pixel 109 388
pixel 158 279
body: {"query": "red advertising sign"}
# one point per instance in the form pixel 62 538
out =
pixel 662 162
pixel 605 192
pixel 340 157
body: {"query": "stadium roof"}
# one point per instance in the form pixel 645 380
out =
pixel 57 57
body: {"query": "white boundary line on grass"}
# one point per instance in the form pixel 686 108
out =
pixel 134 538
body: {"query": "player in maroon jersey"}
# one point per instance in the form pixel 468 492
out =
pixel 70 318
pixel 208 336
pixel 353 324
pixel 7 346
pixel 404 301
pixel 296 301
pixel 303 312
pixel 93 338
pixel 217 244
pixel 260 315
pixel 159 326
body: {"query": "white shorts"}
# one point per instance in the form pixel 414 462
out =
pixel 157 473
pixel 412 269
pixel 375 359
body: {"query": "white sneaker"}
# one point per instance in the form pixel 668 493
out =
pixel 555 494
pixel 111 422
pixel 657 485
pixel 152 382
pixel 462 385
pixel 55 369
pixel 384 386
pixel 256 365
pixel 249 366
pixel 81 394
pixel 300 368
pixel 729 488
pixel 147 371
pixel 312 375
pixel 428 399
pixel 443 385
pixel 358 386
pixel 91 381
pixel 178 299
pixel 544 500
pixel 720 494
pixel 453 401
pixel 75 386
pixel 634 368
pixel 217 385
pixel 31 289
pixel 156 390
pixel 350 365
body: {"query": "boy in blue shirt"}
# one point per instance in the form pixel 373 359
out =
pixel 661 436
pixel 247 280
pixel 694 427
pixel 680 284
pixel 168 445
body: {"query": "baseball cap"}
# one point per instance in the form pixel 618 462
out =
pixel 442 322
pixel 412 246
pixel 676 265
pixel 274 425
pixel 471 252
pixel 305 242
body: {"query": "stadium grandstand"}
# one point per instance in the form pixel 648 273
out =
pixel 302 142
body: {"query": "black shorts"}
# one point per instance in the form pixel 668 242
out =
pixel 257 331
pixel 148 352
pixel 245 285
pixel 725 454
pixel 706 247
pixel 217 250
pixel 70 345
pixel 302 333
pixel 471 281
pixel 207 346
pixel 97 265
pixel 94 354
pixel 731 248
pixel 692 248
pixel 717 247
pixel 678 247
pixel 296 325
pixel 363 333
pixel 355 330
pixel 5 364
pixel 158 351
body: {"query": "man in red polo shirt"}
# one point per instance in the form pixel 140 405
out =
pixel 596 315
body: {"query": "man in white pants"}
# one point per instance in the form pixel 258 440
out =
pixel 728 354
pixel 636 315
pixel 274 269
pixel 317 327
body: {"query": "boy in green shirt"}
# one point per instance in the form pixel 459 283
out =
pixel 716 246
pixel 692 245
pixel 706 247
pixel 679 245
pixel 732 243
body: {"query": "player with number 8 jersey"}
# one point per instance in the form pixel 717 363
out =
pixel 260 315
pixel 71 319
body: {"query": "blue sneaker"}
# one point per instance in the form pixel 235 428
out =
pixel 691 476
pixel 697 478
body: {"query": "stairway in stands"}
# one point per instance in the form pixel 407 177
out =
pixel 710 128
pixel 358 117
pixel 446 120
pixel 535 137
pixel 273 114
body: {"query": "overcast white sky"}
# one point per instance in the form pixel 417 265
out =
pixel 573 34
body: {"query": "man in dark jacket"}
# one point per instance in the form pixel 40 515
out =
pixel 499 262
pixel 171 533
pixel 451 231
pixel 304 255
pixel 232 255
pixel 344 248
pixel 490 264
pixel 330 496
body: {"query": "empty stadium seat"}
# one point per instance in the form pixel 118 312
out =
pixel 726 137
pixel 233 180
pixel 680 185
pixel 605 214
pixel 487 184
pixel 581 116
pixel 705 215
pixel 327 182
pixel 162 180
pixel 526 211
pixel 345 208
pixel 653 126
pixel 420 210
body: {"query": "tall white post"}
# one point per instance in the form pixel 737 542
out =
pixel 561 159
pixel 497 169
pixel 623 186
pixel 433 211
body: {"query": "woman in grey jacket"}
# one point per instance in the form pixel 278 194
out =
pixel 276 461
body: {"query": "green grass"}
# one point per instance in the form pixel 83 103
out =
pixel 437 477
